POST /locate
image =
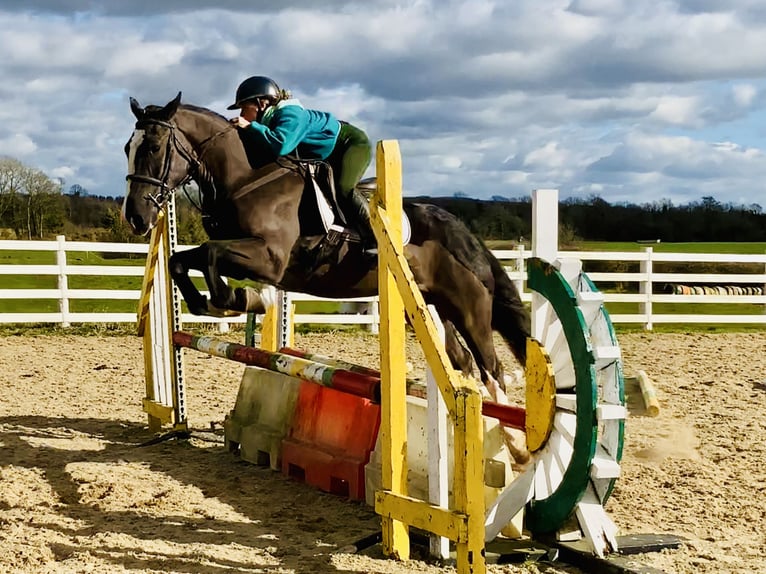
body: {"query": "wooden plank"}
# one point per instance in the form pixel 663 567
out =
pixel 605 412
pixel 605 355
pixel 438 457
pixel 508 503
pixel 598 528
pixel 393 434
pixel 604 465
pixel 421 514
pixel 163 413
pixel 566 402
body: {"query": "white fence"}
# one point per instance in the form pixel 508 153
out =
pixel 638 294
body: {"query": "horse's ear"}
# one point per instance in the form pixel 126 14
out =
pixel 136 108
pixel 171 108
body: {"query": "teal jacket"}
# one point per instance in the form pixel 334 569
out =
pixel 288 126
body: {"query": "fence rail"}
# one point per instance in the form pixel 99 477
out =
pixel 641 290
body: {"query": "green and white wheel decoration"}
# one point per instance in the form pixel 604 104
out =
pixel 575 470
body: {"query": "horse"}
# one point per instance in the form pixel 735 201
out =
pixel 254 212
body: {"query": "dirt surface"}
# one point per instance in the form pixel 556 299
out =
pixel 78 495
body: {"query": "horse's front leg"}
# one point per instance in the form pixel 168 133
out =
pixel 237 259
pixel 179 266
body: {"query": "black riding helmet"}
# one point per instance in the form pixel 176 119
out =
pixel 255 87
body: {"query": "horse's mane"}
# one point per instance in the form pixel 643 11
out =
pixel 150 109
pixel 203 111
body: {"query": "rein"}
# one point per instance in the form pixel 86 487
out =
pixel 194 161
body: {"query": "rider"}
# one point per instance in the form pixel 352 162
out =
pixel 285 126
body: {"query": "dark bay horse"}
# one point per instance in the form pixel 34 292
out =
pixel 259 230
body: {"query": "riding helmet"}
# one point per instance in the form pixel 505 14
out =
pixel 255 87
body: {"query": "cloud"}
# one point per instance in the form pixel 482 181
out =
pixel 744 94
pixel 17 145
pixel 487 97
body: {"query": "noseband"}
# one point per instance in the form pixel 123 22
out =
pixel 164 191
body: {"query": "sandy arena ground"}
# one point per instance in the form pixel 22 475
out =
pixel 77 495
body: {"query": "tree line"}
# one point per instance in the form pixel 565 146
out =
pixel 34 206
pixel 594 219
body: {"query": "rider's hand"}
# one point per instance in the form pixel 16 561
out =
pixel 239 122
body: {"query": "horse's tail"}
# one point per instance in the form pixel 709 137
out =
pixel 510 317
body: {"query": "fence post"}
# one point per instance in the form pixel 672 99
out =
pixel 521 268
pixel 63 284
pixel 374 311
pixel 545 245
pixel 645 288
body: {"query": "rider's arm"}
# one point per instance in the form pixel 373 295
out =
pixel 288 128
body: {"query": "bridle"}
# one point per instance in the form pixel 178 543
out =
pixel 194 161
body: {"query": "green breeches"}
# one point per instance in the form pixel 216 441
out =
pixel 350 158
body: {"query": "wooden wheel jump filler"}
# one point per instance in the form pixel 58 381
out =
pixel 575 411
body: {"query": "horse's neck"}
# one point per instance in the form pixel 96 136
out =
pixel 222 157
pixel 225 169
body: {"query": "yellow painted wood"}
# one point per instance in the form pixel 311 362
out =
pixel 419 317
pixel 469 478
pixel 155 419
pixel 393 416
pixel 269 333
pixel 270 329
pixel 148 281
pixel 423 515
pixel 540 395
pixel 398 291
pixel 291 333
pixel 162 413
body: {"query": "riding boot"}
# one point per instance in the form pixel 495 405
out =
pixel 360 214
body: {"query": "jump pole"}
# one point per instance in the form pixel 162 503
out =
pixel 340 375
pixel 648 393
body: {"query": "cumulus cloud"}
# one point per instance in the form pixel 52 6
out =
pixel 487 97
pixel 17 145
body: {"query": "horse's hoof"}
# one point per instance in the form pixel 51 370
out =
pixel 520 468
pixel 199 308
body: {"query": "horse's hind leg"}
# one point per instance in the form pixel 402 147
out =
pixel 478 335
pixel 464 304
pixel 459 356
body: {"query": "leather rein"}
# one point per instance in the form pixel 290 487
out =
pixel 164 191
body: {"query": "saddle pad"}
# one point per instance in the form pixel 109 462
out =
pixel 328 217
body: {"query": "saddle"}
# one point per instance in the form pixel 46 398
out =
pixel 321 209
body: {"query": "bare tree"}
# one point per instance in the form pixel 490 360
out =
pixel 11 177
pixel 44 206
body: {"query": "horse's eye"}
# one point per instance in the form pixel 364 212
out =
pixel 155 148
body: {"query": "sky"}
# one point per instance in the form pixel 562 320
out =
pixel 631 101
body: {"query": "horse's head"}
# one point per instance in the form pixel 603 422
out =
pixel 158 162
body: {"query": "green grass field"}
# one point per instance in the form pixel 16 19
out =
pixel 107 282
pixel 741 248
pixel 631 246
